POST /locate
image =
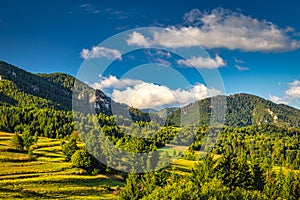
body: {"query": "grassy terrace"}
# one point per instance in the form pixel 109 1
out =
pixel 48 175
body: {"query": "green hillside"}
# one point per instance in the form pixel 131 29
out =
pixel 21 88
pixel 243 110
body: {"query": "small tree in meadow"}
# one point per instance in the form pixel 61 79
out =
pixel 23 141
pixel 17 142
pixel 27 138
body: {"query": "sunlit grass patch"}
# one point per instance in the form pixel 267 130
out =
pixel 182 166
pixel 4 134
pixel 32 167
pixel 64 186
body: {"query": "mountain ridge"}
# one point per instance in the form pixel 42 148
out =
pixel 243 110
pixel 21 88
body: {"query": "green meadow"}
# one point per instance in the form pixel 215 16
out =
pixel 46 174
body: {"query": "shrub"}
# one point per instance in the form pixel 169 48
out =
pixel 69 148
pixel 82 159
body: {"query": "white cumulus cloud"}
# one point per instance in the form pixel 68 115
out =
pixel 149 95
pixel 294 90
pixel 291 95
pixel 114 83
pixel 140 94
pixel 278 100
pixel 203 62
pixel 138 39
pixel 221 28
pixel 98 51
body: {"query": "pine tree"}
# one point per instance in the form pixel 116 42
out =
pixel 227 170
pixel 27 138
pixel 296 186
pixel 271 190
pixel 258 176
pixel 149 183
pixel 131 189
pixel 234 172
pixel 203 171
pixel 244 178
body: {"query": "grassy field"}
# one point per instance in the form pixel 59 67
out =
pixel 48 175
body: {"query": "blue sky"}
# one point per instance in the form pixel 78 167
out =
pixel 254 45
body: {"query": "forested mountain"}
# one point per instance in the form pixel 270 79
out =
pixel 44 102
pixel 243 110
pixel 23 89
pixel 41 103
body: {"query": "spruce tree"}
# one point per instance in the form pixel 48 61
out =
pixel 131 189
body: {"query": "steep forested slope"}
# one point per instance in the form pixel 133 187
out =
pixel 44 90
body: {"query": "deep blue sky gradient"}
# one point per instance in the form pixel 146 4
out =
pixel 48 36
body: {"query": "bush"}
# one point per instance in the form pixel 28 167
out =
pixel 69 148
pixel 82 159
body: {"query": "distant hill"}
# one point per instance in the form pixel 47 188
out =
pixel 165 112
pixel 243 110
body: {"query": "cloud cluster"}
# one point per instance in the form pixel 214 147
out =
pixel 138 39
pixel 158 56
pixel 278 100
pixel 238 65
pixel 98 51
pixel 140 94
pixel 294 90
pixel 221 28
pixel 193 17
pixel 203 62
pixel 114 82
pixel 292 94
